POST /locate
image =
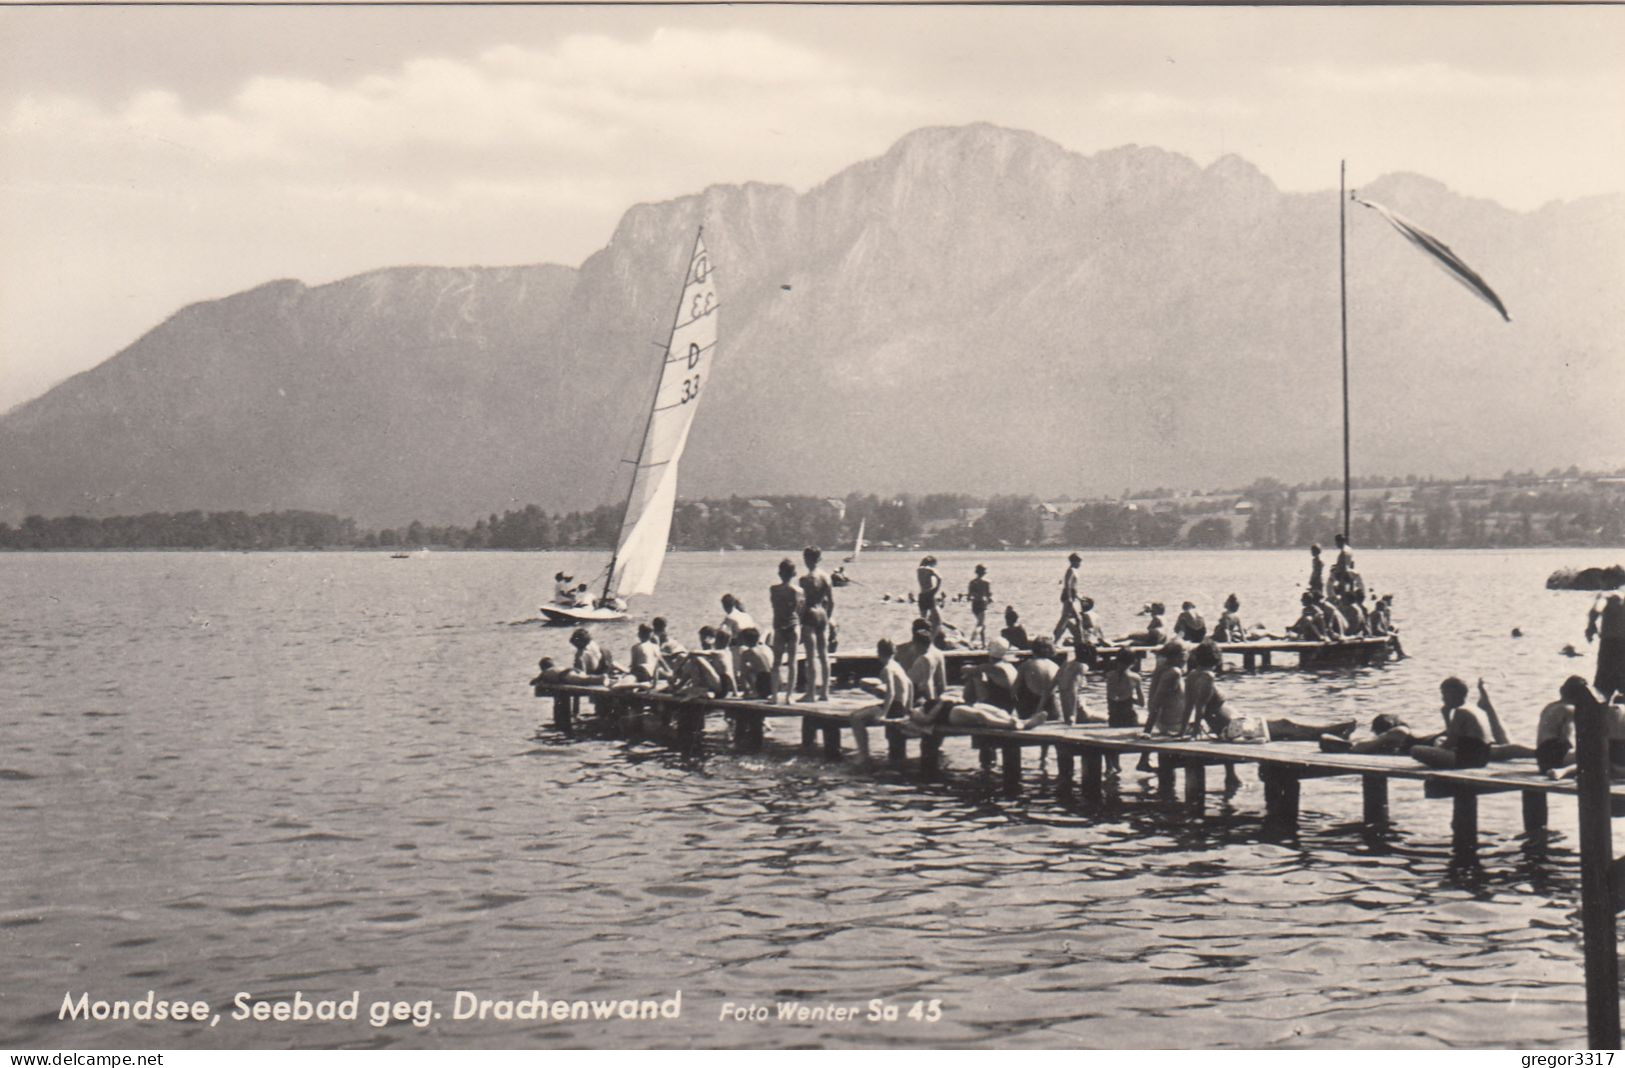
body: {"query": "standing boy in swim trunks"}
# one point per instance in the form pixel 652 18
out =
pixel 786 602
pixel 981 596
pixel 817 606
pixel 1069 600
pixel 930 588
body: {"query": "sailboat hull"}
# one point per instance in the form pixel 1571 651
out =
pixel 558 615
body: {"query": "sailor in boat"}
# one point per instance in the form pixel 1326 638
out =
pixel 564 590
pixel 839 577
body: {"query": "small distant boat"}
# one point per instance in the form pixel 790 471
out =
pixel 640 550
pixel 400 556
pixel 857 546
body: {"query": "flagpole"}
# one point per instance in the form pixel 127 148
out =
pixel 1343 291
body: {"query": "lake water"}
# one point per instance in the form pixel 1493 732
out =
pixel 322 773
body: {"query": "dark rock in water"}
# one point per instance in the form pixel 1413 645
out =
pixel 1591 578
pixel 1517 632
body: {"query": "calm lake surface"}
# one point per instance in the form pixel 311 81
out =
pixel 322 773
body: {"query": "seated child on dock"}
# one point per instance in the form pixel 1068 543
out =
pixel 895 691
pixel 1036 684
pixel 648 666
pixel 1554 735
pixel 592 665
pixel 1229 628
pixel 1155 632
pixel 995 682
pixel 1472 736
pixel 1069 682
pixel 1308 628
pixel 1014 634
pixel 756 674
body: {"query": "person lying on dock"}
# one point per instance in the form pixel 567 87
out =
pixel 963 714
pixel 1229 628
pixel 896 695
pixel 1388 735
pixel 1014 634
pixel 1472 737
pixel 757 679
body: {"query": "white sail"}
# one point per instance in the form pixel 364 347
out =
pixel 857 546
pixel 684 375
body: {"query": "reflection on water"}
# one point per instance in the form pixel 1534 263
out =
pixel 321 773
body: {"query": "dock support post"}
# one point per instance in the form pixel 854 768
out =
pixel 809 733
pixel 1066 763
pixel 832 741
pixel 690 729
pixel 930 756
pixel 1534 811
pixel 1195 782
pixel 1093 765
pixel 1375 789
pixel 1281 791
pixel 1012 769
pixel 1464 825
pixel 1165 777
pixel 896 746
pixel 1596 873
pixel 562 712
pixel 986 755
pixel 1265 661
pixel 748 732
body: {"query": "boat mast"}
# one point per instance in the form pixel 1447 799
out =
pixel 643 442
pixel 1343 290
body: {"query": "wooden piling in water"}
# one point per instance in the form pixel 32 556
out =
pixel 1597 906
pixel 1065 761
pixel 930 756
pixel 1012 769
pixel 1464 825
pixel 1374 796
pixel 832 741
pixel 896 746
pixel 1195 782
pixel 1534 811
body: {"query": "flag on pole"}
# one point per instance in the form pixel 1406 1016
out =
pixel 1452 263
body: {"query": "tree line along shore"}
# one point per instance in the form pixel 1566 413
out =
pixel 1558 509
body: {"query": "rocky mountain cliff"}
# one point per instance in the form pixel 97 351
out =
pixel 978 310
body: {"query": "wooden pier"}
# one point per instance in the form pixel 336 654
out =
pixel 1081 750
pixel 846 668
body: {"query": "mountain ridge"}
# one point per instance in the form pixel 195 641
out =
pixel 970 300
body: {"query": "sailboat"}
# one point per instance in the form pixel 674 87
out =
pixel 640 549
pixel 857 546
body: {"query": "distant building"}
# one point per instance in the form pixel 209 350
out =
pixel 759 504
pixel 1244 508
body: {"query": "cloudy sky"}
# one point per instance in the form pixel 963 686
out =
pixel 151 157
